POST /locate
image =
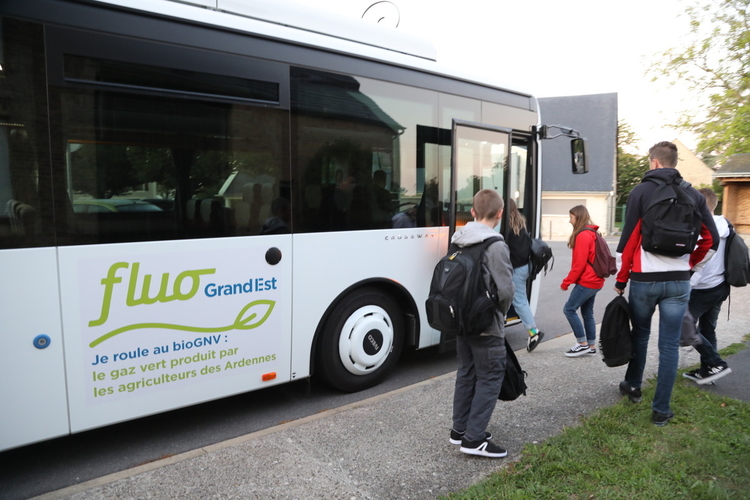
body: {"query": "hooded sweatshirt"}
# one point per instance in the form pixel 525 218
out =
pixel 496 267
pixel 633 262
pixel 584 252
pixel 711 275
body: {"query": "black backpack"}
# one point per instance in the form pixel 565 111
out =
pixel 668 225
pixel 615 341
pixel 514 383
pixel 736 260
pixel 540 256
pixel 459 302
pixel 605 264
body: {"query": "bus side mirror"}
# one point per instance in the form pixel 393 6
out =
pixel 578 156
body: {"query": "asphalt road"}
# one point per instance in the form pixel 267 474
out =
pixel 549 316
pixel 48 466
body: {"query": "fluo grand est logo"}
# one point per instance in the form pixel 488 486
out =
pixel 142 289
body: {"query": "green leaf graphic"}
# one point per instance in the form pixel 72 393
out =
pixel 244 321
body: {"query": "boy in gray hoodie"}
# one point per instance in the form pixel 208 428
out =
pixel 481 359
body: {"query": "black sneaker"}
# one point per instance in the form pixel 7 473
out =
pixel 693 375
pixel 482 449
pixel 661 419
pixel 456 436
pixel 534 340
pixel 708 375
pixel 633 393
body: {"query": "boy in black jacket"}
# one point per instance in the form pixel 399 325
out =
pixel 659 281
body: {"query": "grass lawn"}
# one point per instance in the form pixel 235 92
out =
pixel 617 453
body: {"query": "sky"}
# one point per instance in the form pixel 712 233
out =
pixel 555 48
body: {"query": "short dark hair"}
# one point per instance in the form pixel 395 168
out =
pixel 711 199
pixel 665 152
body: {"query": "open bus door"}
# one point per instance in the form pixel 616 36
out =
pixel 479 160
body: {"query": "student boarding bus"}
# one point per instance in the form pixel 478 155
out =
pixel 198 199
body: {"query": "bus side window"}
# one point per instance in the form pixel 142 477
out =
pixel 25 190
pixel 359 159
pixel 143 167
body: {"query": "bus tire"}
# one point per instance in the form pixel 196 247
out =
pixel 361 341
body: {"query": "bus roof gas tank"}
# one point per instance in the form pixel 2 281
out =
pixel 320 24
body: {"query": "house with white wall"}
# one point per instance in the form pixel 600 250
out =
pixel 595 118
pixel 692 168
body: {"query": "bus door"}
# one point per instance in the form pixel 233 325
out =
pixel 479 160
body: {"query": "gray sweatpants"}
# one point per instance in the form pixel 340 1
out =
pixel 478 380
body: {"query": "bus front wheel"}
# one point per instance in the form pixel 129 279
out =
pixel 361 341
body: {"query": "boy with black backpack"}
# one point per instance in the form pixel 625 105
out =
pixel 482 357
pixel 657 252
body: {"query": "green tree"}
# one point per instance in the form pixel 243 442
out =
pixel 630 166
pixel 715 64
pixel 102 170
pixel 154 164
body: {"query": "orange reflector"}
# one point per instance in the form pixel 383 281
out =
pixel 268 376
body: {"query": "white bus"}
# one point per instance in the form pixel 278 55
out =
pixel 196 201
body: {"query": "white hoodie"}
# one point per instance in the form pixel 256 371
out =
pixel 711 274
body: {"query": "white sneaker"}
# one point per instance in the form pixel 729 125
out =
pixel 579 350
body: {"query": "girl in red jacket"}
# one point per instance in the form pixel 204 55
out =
pixel 583 243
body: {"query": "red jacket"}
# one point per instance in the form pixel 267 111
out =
pixel 581 272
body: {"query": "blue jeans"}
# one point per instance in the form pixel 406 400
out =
pixel 582 298
pixel 705 305
pixel 520 300
pixel 481 368
pixel 672 299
